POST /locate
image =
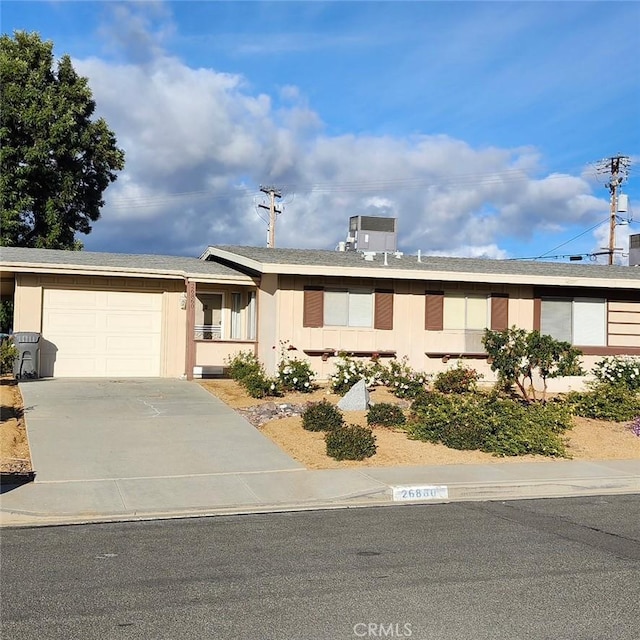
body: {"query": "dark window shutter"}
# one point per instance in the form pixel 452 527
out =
pixel 383 313
pixel 537 313
pixel 434 311
pixel 312 315
pixel 499 311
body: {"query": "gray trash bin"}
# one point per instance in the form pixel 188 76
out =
pixel 27 364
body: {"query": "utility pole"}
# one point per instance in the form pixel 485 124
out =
pixel 617 168
pixel 273 193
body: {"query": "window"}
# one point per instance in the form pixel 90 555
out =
pixel 236 307
pixel 348 308
pixel 251 315
pixel 359 307
pixel 466 312
pixel 580 321
pixel 208 324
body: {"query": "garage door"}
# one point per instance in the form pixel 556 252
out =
pixel 101 333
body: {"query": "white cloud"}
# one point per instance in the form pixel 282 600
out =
pixel 203 134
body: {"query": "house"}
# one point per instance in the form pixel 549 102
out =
pixel 126 315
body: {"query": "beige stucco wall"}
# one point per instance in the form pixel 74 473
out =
pixel 29 296
pixel 408 337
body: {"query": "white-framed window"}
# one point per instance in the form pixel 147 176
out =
pixel 580 321
pixel 236 311
pixel 251 315
pixel 468 312
pixel 348 307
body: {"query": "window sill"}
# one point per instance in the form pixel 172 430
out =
pixel 329 353
pixel 445 356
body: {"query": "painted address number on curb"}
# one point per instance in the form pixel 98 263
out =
pixel 421 492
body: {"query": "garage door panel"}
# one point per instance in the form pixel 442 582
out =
pixel 101 333
pixel 123 300
pixel 132 322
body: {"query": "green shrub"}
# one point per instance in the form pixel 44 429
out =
pixel 456 421
pixel 322 416
pixel 459 379
pixel 517 354
pixel 258 385
pixel 350 442
pixel 605 402
pixel 518 429
pixel 242 365
pixel 385 414
pixel 348 372
pixel 619 371
pixel 402 380
pixel 296 375
pixel 502 426
pixel 8 355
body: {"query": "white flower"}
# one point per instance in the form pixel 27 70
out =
pixel 306 384
pixel 295 380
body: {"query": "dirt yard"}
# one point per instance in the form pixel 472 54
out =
pixel 588 440
pixel 14 446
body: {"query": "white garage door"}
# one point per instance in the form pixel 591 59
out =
pixel 101 333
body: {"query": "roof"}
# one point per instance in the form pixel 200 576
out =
pixel 27 259
pixel 262 260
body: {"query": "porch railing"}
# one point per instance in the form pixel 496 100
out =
pixel 207 332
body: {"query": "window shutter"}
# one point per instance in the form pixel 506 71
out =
pixel 383 315
pixel 434 305
pixel 499 311
pixel 312 315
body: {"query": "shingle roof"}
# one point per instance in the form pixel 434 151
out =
pixel 353 259
pixel 133 262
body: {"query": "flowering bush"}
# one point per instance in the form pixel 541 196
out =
pixel 242 365
pixel 620 371
pixel 402 380
pixel 458 379
pixel 296 375
pixel 349 371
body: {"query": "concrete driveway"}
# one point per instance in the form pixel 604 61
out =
pixel 100 429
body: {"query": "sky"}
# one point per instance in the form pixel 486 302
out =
pixel 480 126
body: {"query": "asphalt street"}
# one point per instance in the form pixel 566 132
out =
pixel 552 569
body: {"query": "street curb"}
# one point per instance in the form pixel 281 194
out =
pixel 457 492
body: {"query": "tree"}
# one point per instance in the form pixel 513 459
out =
pixel 55 162
pixel 517 355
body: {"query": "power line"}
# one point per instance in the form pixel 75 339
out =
pixel 354 186
pixel 543 255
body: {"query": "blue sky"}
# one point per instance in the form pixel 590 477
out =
pixel 477 124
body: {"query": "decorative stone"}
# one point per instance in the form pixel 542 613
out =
pixel 356 399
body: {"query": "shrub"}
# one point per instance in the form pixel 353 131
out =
pixel 459 379
pixel 402 380
pixel 455 421
pixel 385 414
pixel 349 371
pixel 350 442
pixel 605 402
pixel 322 416
pixel 8 355
pixel 258 385
pixel 499 426
pixel 517 354
pixel 243 364
pixel 620 371
pixel 296 375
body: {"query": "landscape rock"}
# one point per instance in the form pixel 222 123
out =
pixel 356 399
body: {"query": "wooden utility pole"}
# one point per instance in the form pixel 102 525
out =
pixel 617 167
pixel 273 193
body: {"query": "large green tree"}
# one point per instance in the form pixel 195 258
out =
pixel 55 161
